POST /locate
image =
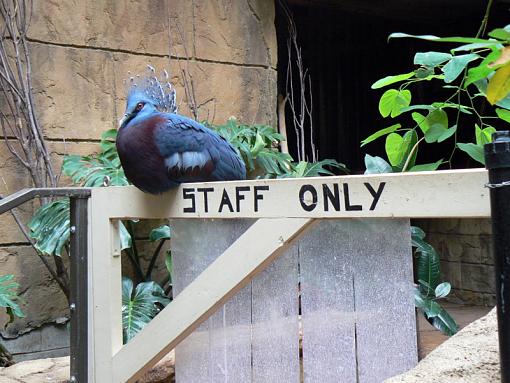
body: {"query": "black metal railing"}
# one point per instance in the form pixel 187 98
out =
pixel 497 160
pixel 78 268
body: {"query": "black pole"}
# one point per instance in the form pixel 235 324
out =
pixel 79 290
pixel 497 161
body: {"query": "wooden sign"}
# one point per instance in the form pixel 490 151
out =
pixel 456 193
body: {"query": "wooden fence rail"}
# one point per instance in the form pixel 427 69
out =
pixel 284 209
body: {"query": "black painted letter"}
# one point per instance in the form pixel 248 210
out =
pixel 205 191
pixel 348 206
pixel 375 194
pixel 225 200
pixel 189 193
pixel 239 196
pixel 302 191
pixel 258 196
pixel 333 197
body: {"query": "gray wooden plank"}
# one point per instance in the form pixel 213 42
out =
pixel 383 291
pixel 327 304
pixel 275 338
pixel 219 350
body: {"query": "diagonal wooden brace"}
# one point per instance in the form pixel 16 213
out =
pixel 250 254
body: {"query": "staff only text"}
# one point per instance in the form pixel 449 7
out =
pixel 309 197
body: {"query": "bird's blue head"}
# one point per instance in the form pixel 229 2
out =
pixel 138 107
pixel 147 95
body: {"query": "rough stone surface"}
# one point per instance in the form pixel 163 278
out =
pixel 43 299
pixel 56 370
pixel 251 95
pixel 48 341
pixel 470 356
pixel 232 30
pixel 74 91
pixel 465 247
pixel 13 176
pixel 139 26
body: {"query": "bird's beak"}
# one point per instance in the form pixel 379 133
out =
pixel 123 120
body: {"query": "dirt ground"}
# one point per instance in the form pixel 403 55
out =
pixel 470 356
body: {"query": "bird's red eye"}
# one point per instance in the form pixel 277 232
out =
pixel 139 106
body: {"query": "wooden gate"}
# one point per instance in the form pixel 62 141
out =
pixel 351 278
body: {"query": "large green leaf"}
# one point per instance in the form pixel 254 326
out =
pixel 9 296
pixel 258 146
pixel 393 101
pixel 484 69
pixel 444 322
pixel 473 46
pixel 103 169
pixel 447 134
pixel 417 232
pixel 483 136
pixel 426 167
pixel 474 151
pixel 463 40
pixel 125 238
pixel 499 85
pixel 376 165
pixel 398 148
pixel 49 227
pixel 431 59
pixel 428 266
pixel 140 307
pixel 500 34
pixel 503 114
pixel 388 80
pixel 380 133
pixel 442 290
pixel 456 65
pixel 314 169
pixel 162 232
pixel 437 124
pixel 435 314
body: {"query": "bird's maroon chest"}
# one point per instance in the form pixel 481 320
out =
pixel 138 153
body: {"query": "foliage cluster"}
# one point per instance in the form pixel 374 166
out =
pixel 258 145
pixel 9 301
pixel 476 71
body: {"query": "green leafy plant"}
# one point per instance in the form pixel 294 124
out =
pixel 9 300
pixel 476 70
pixel 258 145
pixel 9 296
pixel 429 289
pixel 140 305
pixel 102 169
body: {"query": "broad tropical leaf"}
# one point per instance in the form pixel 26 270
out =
pixel 49 227
pixel 9 296
pixel 473 150
pixel 380 133
pixel 162 232
pixel 140 306
pixel 391 80
pixel 376 165
pixel 103 169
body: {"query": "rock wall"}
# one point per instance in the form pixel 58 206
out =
pixel 81 51
pixel 465 247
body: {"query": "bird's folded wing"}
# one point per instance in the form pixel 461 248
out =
pixel 195 152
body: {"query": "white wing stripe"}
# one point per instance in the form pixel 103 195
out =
pixel 187 160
